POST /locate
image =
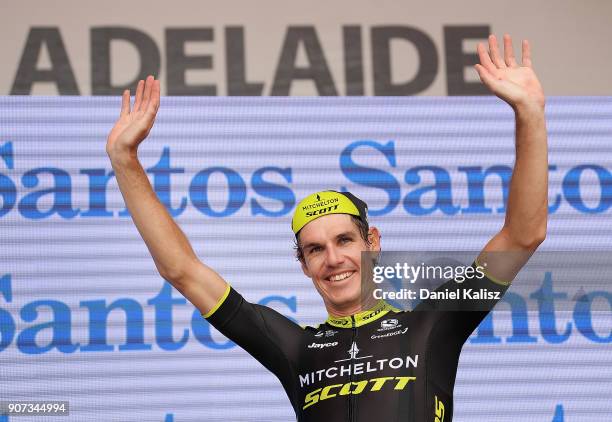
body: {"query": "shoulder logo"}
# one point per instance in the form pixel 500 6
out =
pixel 326 333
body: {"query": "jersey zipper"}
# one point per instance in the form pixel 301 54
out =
pixel 351 407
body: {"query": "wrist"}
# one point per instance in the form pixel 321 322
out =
pixel 528 109
pixel 119 155
pixel 529 105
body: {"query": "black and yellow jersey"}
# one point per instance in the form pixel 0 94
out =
pixel 378 365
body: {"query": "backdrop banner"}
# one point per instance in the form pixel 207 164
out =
pixel 272 47
pixel 85 317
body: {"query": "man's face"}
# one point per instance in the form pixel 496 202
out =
pixel 332 247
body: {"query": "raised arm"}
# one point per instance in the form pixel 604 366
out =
pixel 173 255
pixel 527 209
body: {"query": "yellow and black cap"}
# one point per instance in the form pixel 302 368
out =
pixel 327 202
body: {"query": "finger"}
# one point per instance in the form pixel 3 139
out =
pixel 526 54
pixel 125 103
pixel 485 76
pixel 494 51
pixel 154 100
pixel 138 100
pixel 157 94
pixel 509 52
pixel 147 92
pixel 485 59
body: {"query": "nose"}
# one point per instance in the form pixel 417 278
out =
pixel 333 256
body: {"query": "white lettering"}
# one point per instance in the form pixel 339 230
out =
pixel 305 379
pixel 412 361
pixel 358 368
pixel 322 345
pixel 345 370
pixel 329 370
pixel 398 363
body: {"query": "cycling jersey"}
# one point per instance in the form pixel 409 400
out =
pixel 380 364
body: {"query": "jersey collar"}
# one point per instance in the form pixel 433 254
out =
pixel 364 317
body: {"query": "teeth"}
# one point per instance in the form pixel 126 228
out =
pixel 341 277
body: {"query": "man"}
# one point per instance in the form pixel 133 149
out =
pixel 368 360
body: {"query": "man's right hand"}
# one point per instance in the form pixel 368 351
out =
pixel 134 124
pixel 172 253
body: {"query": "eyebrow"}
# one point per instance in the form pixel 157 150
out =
pixel 343 234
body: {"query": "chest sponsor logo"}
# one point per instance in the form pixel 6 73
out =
pixel 322 345
pixel 389 333
pixel 388 328
pixel 356 365
pixel 389 324
pixel 353 365
pixel 353 351
pixel 386 384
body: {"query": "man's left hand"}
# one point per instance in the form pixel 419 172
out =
pixel 516 84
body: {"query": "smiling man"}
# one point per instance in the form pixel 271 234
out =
pixel 368 360
pixel 330 248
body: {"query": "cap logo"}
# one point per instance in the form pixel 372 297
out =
pixel 321 211
pixel 324 203
pixel 320 204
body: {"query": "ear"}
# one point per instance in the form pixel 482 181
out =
pixel 374 238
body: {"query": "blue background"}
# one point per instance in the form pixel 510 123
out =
pixel 85 317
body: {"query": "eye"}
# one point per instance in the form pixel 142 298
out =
pixel 314 249
pixel 345 239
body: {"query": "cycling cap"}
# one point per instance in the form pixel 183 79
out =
pixel 327 202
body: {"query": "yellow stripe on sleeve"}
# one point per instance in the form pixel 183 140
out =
pixel 214 309
pixel 493 279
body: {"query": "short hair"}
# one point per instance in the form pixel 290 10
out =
pixel 361 225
